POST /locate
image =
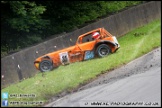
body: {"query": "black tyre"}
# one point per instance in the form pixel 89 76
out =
pixel 45 66
pixel 103 50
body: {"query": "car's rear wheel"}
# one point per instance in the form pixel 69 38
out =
pixel 45 65
pixel 103 50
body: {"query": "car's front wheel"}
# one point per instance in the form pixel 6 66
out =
pixel 45 65
pixel 103 50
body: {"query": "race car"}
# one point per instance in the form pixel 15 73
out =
pixel 95 43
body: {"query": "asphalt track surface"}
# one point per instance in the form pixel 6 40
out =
pixel 137 83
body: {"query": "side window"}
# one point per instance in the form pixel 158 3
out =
pixel 90 37
pixel 87 38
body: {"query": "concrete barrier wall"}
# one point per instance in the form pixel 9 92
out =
pixel 19 66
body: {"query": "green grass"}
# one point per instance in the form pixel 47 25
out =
pixel 134 44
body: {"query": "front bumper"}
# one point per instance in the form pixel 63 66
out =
pixel 116 42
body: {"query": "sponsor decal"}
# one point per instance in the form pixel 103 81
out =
pixel 89 55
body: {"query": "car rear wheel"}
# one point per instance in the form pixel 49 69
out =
pixel 103 50
pixel 45 65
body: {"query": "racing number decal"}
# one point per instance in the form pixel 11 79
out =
pixel 64 58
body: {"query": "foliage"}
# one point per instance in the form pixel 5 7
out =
pixel 21 23
pixel 26 16
pixel 25 23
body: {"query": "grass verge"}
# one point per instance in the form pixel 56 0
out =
pixel 44 86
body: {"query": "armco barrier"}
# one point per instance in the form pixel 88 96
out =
pixel 19 66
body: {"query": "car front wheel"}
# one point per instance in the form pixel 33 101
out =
pixel 103 50
pixel 45 65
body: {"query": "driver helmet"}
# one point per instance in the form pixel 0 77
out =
pixel 95 35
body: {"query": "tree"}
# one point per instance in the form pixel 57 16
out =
pixel 26 16
pixel 21 24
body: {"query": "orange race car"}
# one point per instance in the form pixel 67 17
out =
pixel 95 43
